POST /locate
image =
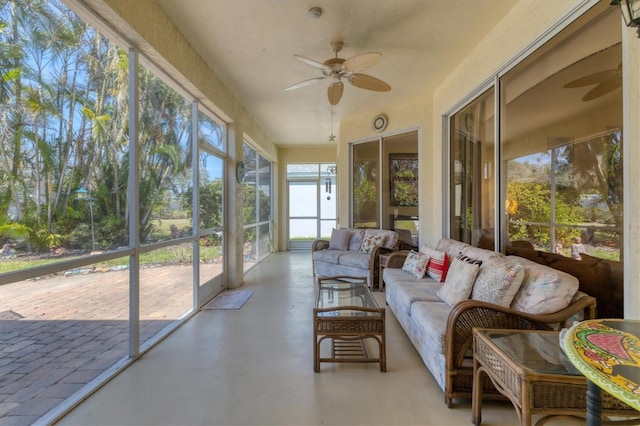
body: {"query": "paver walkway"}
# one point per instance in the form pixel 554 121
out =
pixel 57 333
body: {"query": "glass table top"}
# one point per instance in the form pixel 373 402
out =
pixel 537 351
pixel 342 295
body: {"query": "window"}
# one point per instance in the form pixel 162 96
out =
pixel 472 183
pixel 557 162
pixel 84 250
pixel 257 207
pixel 561 143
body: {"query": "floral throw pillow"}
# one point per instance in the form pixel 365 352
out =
pixel 370 241
pixel 416 264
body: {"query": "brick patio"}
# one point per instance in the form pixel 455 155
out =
pixel 59 332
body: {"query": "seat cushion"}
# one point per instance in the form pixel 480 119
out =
pixel 356 260
pixel 429 324
pixel 403 289
pixel 329 256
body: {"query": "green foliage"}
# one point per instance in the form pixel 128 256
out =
pixel 210 204
pixel 365 191
pixel 530 220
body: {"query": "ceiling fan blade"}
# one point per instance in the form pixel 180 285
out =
pixel 365 81
pixel 362 62
pixel 313 63
pixel 334 92
pixel 591 79
pixel 304 83
pixel 603 88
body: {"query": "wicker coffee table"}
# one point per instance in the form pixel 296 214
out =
pixel 347 313
pixel 529 368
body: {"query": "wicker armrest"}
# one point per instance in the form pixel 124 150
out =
pixel 319 245
pixel 470 314
pixel 396 260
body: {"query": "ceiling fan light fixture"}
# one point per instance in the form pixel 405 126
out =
pixel 339 68
pixel 630 12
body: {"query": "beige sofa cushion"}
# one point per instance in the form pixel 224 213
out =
pixel 544 290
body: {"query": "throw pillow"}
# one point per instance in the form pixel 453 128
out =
pixel 459 282
pixel 416 264
pixel 438 263
pixel 339 239
pixel 355 240
pixel 498 282
pixel 370 241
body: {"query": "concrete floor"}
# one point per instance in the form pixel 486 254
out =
pixel 254 366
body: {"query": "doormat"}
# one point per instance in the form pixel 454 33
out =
pixel 232 299
pixel 10 315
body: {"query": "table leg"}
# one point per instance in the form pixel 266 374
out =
pixel 383 349
pixel 316 353
pixel 594 404
pixel 476 398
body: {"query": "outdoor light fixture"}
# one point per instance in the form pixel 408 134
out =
pixel 630 12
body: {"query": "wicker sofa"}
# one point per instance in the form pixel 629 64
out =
pixel 443 335
pixel 353 252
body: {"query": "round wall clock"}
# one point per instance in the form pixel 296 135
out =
pixel 379 123
pixel 240 171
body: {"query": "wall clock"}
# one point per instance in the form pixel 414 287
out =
pixel 240 171
pixel 379 123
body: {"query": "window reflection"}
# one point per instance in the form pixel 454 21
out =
pixel 473 179
pixel 562 144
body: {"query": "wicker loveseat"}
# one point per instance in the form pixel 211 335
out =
pixel 353 252
pixel 443 335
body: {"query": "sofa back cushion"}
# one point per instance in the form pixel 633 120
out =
pixel 451 247
pixel 355 239
pixel 481 254
pixel 544 290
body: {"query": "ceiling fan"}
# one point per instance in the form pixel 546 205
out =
pixel 337 69
pixel 607 81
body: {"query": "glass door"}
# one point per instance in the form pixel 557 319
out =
pixel 312 203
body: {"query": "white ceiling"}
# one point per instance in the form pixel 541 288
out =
pixel 250 45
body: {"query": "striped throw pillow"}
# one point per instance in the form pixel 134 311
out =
pixel 438 263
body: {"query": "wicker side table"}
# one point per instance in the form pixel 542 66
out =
pixel 529 368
